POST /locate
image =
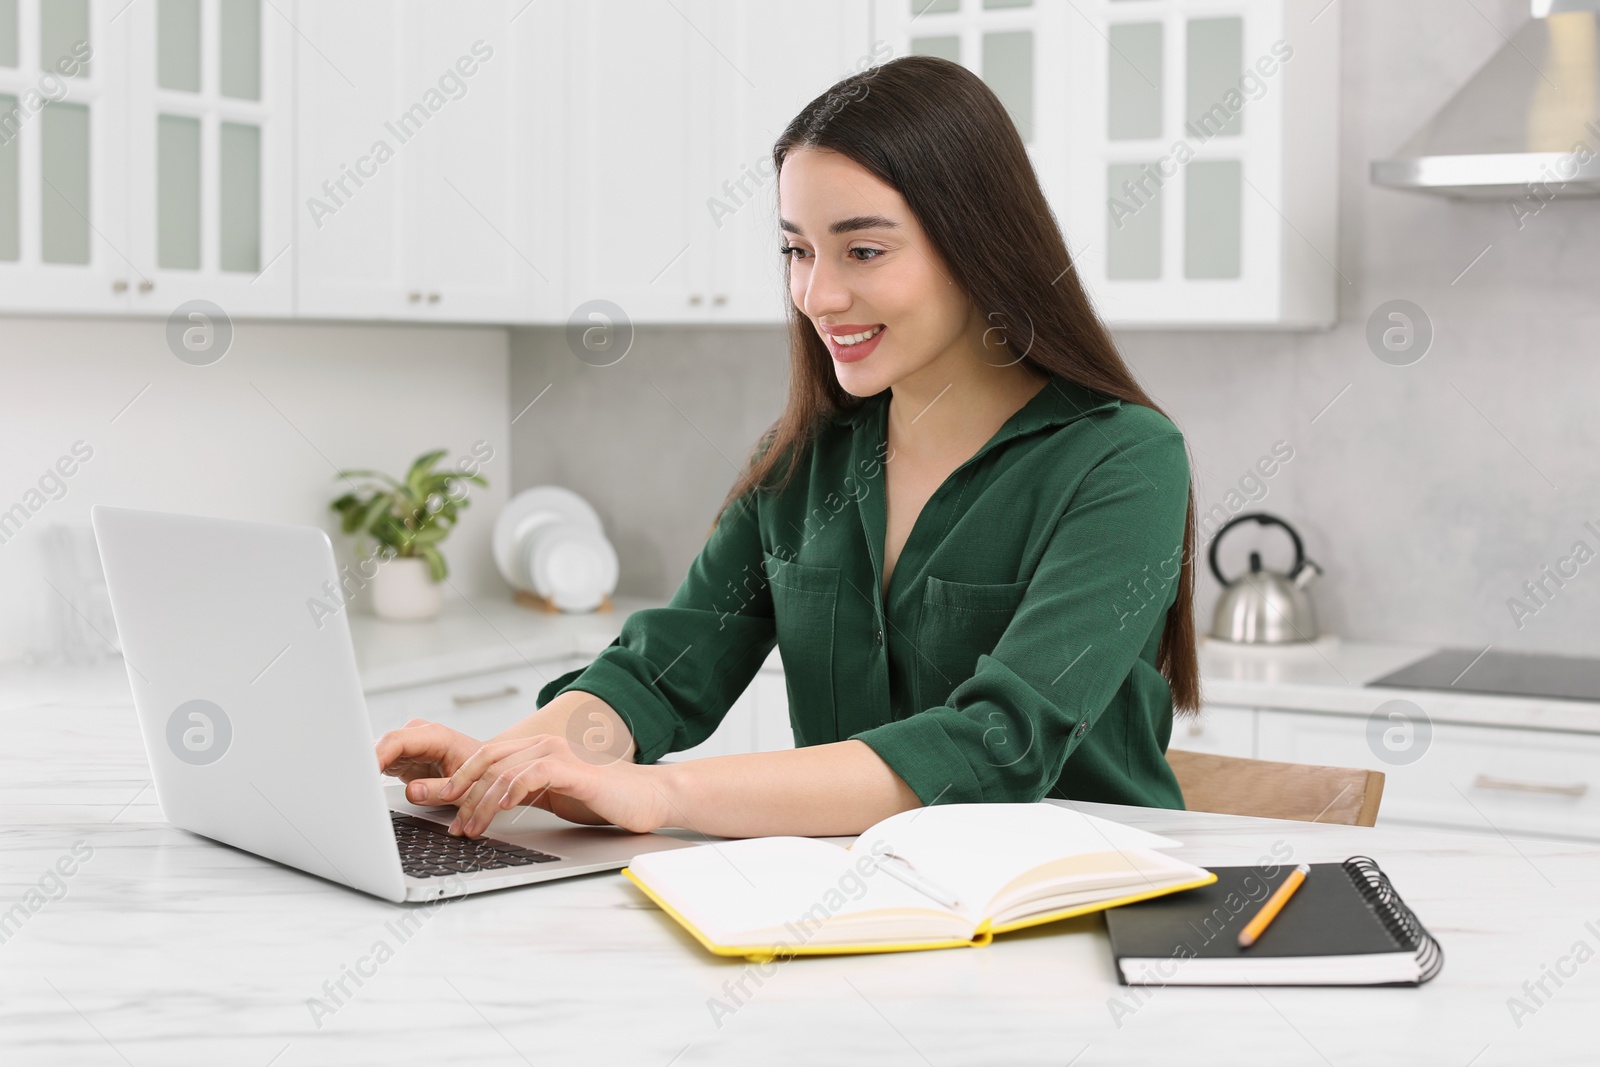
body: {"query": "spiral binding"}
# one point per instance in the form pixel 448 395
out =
pixel 1397 918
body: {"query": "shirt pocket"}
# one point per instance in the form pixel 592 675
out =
pixel 960 622
pixel 804 599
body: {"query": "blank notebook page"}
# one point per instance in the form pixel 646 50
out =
pixel 974 850
pixel 763 882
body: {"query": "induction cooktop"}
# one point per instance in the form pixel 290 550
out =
pixel 1529 674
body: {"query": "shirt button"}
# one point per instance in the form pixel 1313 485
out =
pixel 1083 728
pixel 877 637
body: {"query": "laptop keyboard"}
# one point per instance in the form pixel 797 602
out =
pixel 427 850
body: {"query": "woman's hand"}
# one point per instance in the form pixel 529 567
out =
pixel 423 751
pixel 548 772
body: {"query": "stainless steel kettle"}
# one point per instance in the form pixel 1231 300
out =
pixel 1265 607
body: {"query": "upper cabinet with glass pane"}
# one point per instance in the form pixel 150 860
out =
pixel 1189 147
pixel 270 155
pixel 144 153
pixel 62 220
pixel 209 180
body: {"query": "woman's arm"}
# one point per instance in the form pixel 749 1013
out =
pixel 820 791
pixel 574 757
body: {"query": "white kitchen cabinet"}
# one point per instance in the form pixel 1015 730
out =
pixel 757 722
pixel 160 175
pixel 736 734
pixel 353 245
pixel 1485 779
pixel 1187 147
pixel 675 108
pixel 781 57
pixel 630 156
pixel 481 705
pixel 63 158
pixel 210 137
pixel 430 171
pixel 1219 730
pixel 774 731
pixel 481 161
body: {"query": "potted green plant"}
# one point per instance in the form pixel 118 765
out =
pixel 399 524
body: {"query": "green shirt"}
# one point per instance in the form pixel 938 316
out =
pixel 1015 654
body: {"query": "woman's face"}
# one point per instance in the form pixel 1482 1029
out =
pixel 878 275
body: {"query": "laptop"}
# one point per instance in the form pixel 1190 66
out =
pixel 253 719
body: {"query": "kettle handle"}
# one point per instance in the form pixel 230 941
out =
pixel 1263 519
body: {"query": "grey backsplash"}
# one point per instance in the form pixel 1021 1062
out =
pixel 1430 494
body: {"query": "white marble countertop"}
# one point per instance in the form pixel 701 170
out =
pixel 478 634
pixel 1330 675
pixel 163 948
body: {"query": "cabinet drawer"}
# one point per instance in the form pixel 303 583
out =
pixel 1218 729
pixel 1474 777
pixel 480 704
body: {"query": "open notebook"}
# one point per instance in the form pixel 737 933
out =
pixel 937 877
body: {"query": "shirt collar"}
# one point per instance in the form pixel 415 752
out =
pixel 1061 401
pixel 852 415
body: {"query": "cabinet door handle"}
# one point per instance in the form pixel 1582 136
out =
pixel 720 299
pixel 119 286
pixel 461 700
pixel 433 298
pixel 145 285
pixel 695 299
pixel 1511 785
pixel 415 298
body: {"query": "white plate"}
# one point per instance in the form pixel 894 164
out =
pixel 527 511
pixel 571 565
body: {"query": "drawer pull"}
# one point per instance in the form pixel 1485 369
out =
pixel 478 698
pixel 1484 781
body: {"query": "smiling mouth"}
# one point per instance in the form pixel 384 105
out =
pixel 848 339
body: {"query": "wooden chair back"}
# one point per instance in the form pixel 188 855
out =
pixel 1231 785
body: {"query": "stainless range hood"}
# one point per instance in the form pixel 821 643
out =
pixel 1529 117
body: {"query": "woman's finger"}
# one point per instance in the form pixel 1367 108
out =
pixel 426 790
pixel 500 777
pixel 500 774
pixel 418 739
pixel 474 766
pixel 530 783
pixel 470 804
pixel 481 803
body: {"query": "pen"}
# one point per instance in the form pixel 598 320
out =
pixel 1274 904
pixel 910 877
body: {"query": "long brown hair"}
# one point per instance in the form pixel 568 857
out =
pixel 935 132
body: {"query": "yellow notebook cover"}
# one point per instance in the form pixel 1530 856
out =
pixel 984 935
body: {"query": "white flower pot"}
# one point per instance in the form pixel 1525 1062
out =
pixel 404 591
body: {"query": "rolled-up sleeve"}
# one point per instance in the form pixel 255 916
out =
pixel 673 672
pixel 1089 617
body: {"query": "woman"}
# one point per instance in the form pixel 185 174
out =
pixel 969 533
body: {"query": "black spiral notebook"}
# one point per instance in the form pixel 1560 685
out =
pixel 1345 925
